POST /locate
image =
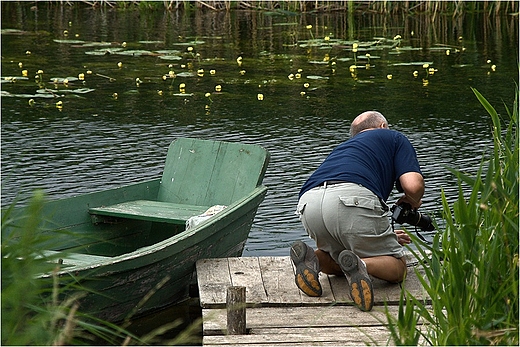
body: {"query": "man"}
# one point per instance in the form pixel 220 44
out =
pixel 342 207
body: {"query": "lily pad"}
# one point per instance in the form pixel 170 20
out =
pixel 170 57
pixel 62 79
pixel 151 42
pixel 413 63
pixel 134 52
pixel 62 91
pixel 186 74
pixel 97 44
pixel 183 94
pixel 169 51
pixel 74 42
pixel 104 51
pixel 313 77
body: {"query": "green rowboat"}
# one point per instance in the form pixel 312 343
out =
pixel 130 247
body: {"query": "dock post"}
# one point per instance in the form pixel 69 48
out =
pixel 236 310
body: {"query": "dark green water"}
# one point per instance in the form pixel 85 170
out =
pixel 96 140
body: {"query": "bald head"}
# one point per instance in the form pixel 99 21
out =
pixel 366 121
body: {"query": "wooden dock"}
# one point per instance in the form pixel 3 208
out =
pixel 278 314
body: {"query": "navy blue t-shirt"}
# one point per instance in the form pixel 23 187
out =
pixel 374 158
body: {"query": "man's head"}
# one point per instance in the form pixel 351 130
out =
pixel 366 121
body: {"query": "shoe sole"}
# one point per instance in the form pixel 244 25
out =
pixel 361 290
pixel 306 279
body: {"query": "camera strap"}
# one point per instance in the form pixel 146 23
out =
pixel 415 231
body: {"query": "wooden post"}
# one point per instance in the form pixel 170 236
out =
pixel 236 310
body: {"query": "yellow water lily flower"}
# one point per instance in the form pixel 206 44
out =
pixel 389 76
pixel 160 92
pixel 81 76
pixel 415 73
pixel 115 96
pixel 218 88
pixel 493 67
pixel 207 95
pixel 302 93
pixel 120 65
pixel 25 73
pixel 27 52
pixel 309 26
pixel 31 102
pixel 242 72
pixel 425 66
pixel 260 96
pixel 171 74
pixel 448 52
pixel 190 49
pixel 40 72
pixel 291 76
pixel 212 72
pixel 298 75
pixel 20 65
pixel 123 44
pixel 306 85
pixel 200 72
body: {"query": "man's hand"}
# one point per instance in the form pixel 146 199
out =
pixel 402 237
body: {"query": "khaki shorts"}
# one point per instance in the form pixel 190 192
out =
pixel 348 216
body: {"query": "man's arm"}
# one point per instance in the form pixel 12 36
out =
pixel 413 188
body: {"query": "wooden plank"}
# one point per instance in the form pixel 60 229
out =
pixel 278 278
pixel 154 211
pixel 344 336
pixel 213 279
pixel 214 320
pixel 245 272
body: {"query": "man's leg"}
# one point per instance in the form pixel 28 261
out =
pixel 385 267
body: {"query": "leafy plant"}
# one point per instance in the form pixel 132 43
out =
pixel 472 274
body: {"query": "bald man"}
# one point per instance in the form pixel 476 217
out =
pixel 342 206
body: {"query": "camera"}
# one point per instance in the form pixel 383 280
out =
pixel 403 213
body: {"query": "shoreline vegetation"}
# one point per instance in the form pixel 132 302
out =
pixel 287 7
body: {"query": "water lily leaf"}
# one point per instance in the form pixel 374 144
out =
pixel 183 94
pixel 409 48
pixel 97 44
pixel 75 42
pixel 4 93
pixel 313 77
pixel 344 59
pixel 169 51
pixel 62 79
pixel 11 31
pixel 62 91
pixel 151 42
pixel 170 57
pixel 413 63
pixel 134 52
pixel 104 51
pixel 11 79
pixel 186 74
pixel 461 65
pixel 361 57
pixel 318 62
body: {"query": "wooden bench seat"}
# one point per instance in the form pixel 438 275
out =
pixel 153 211
pixel 75 259
pixel 197 174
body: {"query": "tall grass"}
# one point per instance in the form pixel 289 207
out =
pixel 453 7
pixel 35 309
pixel 472 276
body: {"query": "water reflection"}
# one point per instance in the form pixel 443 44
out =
pixel 98 141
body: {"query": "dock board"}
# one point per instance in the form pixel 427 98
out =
pixel 279 314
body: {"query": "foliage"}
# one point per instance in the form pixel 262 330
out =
pixel 34 309
pixel 472 275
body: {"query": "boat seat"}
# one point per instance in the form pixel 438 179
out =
pixel 153 211
pixel 197 174
pixel 75 259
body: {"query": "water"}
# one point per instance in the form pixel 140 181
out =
pixel 97 140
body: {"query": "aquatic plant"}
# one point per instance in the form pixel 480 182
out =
pixel 472 275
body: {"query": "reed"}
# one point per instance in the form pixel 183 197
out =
pixel 35 310
pixel 453 7
pixel 472 276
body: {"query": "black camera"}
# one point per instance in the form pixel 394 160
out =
pixel 403 213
